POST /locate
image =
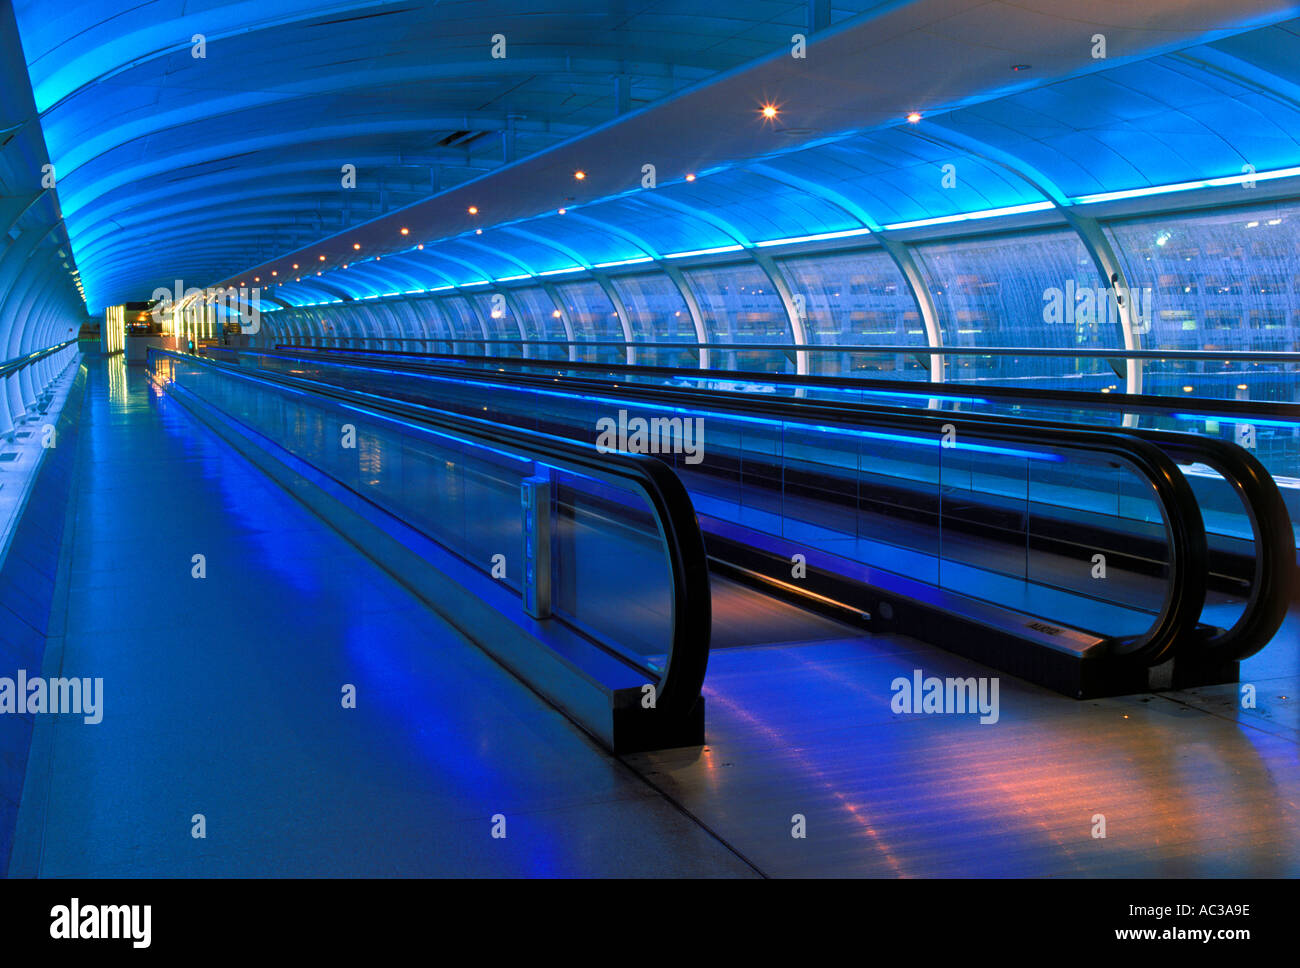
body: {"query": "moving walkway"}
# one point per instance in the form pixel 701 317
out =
pixel 584 574
pixel 1076 558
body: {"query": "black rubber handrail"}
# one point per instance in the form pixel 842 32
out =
pixel 1262 356
pixel 1186 588
pixel 1273 580
pixel 683 674
pixel 1092 399
pixel 18 362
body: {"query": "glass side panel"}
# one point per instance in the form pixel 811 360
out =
pixel 608 546
pixel 1012 523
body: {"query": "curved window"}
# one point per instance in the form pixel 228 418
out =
pixel 411 327
pixel 278 327
pixel 592 317
pixel 542 320
pixel 385 325
pixel 310 324
pixel 739 304
pixel 431 324
pixel 657 313
pixel 1224 280
pixel 1038 290
pixel 502 322
pixel 339 323
pixel 465 324
pixel 857 298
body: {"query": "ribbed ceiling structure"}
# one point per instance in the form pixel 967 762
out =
pixel 193 139
pixel 216 142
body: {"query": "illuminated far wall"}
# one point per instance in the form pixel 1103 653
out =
pixel 112 337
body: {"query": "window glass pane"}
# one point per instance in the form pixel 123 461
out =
pixel 858 298
pixel 1223 280
pixel 500 319
pixel 739 305
pixel 542 320
pixel 465 322
pixel 430 321
pixel 592 316
pixel 1026 290
pixel 657 314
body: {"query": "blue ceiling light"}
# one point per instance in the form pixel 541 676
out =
pixel 971 216
pixel 1222 181
pixel 129 116
pixel 818 237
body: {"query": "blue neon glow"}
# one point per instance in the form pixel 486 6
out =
pixel 971 216
pixel 1188 186
pixel 837 391
pixel 1235 419
pixel 852 432
pixel 715 249
pixel 819 237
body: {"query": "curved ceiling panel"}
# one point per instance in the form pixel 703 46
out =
pixel 1181 116
pixel 243 113
pixel 213 140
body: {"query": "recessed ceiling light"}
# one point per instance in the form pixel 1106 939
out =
pixel 914 117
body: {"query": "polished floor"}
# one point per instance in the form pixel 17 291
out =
pixel 223 699
pixel 1189 784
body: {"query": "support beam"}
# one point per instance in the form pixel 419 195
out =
pixel 915 279
pixel 798 331
pixel 819 15
pixel 1088 230
pixel 697 318
pixel 625 321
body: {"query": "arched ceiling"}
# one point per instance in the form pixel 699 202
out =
pixel 228 167
pixel 238 153
pixel 1167 115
